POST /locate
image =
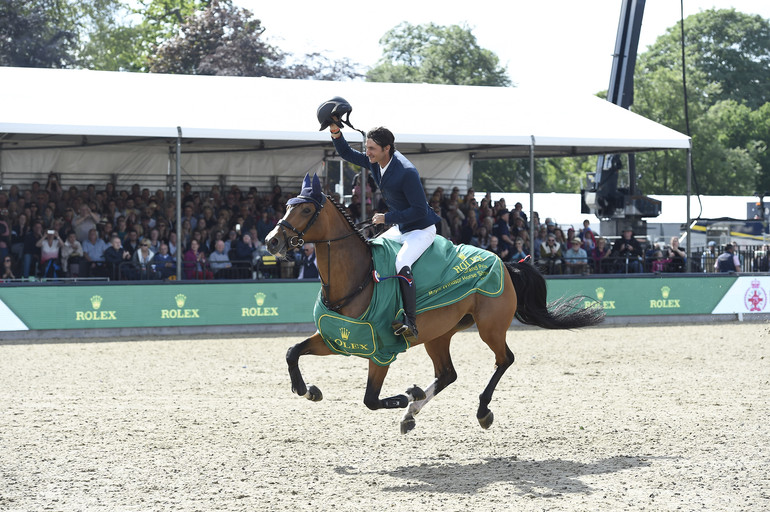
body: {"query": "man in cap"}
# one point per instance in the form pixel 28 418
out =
pixel 709 257
pixel 576 258
pixel 628 250
pixel 728 261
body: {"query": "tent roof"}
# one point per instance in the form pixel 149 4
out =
pixel 43 106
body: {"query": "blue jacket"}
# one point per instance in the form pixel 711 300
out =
pixel 400 187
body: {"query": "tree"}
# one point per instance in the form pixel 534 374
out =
pixel 728 86
pixel 37 33
pixel 435 54
pixel 730 51
pixel 223 39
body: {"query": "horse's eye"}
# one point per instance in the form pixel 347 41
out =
pixel 307 210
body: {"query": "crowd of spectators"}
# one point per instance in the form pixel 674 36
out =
pixel 52 232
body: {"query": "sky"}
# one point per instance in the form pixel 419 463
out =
pixel 549 44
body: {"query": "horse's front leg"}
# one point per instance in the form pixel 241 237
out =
pixel 314 345
pixel 374 385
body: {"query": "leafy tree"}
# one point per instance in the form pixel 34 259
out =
pixel 436 54
pixel 223 39
pixel 37 33
pixel 728 85
pixel 729 50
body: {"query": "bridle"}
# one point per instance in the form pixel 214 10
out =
pixel 298 240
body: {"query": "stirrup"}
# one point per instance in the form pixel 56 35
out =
pixel 404 330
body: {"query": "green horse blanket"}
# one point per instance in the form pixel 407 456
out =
pixel 444 274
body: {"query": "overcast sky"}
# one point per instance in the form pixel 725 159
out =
pixel 542 43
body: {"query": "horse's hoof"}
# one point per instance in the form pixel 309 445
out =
pixel 407 424
pixel 486 420
pixel 314 394
pixel 416 393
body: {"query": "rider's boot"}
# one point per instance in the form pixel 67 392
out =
pixel 408 291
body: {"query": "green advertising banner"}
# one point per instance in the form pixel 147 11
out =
pixel 84 307
pixel 200 304
pixel 664 295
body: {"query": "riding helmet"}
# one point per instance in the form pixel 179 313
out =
pixel 336 106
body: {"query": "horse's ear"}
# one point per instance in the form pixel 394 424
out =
pixel 317 192
pixel 306 181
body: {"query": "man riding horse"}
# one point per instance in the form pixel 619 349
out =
pixel 414 222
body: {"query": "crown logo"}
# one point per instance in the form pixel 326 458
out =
pixel 180 300
pixel 344 333
pixel 96 301
pixel 260 298
pixel 600 293
pixel 665 291
pixel 755 283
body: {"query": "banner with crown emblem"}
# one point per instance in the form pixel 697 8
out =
pixel 747 295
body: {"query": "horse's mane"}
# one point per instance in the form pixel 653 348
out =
pixel 347 217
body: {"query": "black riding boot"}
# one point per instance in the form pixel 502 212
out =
pixel 409 294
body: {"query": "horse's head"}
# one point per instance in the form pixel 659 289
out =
pixel 301 215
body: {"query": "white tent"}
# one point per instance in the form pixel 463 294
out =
pixel 92 126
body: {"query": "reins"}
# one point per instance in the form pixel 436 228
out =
pixel 298 241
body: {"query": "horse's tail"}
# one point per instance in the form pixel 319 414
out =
pixel 563 313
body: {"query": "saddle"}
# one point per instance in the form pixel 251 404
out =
pixel 445 274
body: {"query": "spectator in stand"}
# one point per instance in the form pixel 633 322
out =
pixel 165 264
pixel 195 263
pixel 628 253
pixel 709 257
pixel 71 254
pixel 483 237
pixel 519 251
pixel 540 237
pixel 308 266
pixel 93 263
pixel 265 225
pixel 518 212
pixel 5 233
pixel 469 227
pixel 588 237
pixel 659 262
pixel 551 258
pixel 575 258
pixel 85 221
pixel 728 261
pixel 219 261
pixel 115 257
pixel 31 254
pixel 496 247
pixel 7 268
pixel 19 230
pixel 131 242
pixel 245 249
pixel 143 262
pixel 677 256
pixel 601 257
pixel 502 230
pixel 762 259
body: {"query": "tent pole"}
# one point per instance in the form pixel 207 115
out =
pixel 179 248
pixel 532 199
pixel 688 248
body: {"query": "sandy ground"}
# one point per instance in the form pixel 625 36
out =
pixel 612 418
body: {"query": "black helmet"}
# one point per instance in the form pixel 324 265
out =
pixel 336 106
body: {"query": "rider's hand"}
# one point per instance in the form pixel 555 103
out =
pixel 379 218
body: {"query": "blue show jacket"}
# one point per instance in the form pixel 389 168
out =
pixel 400 187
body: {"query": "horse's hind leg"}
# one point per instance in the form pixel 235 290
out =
pixel 314 345
pixel 492 329
pixel 445 374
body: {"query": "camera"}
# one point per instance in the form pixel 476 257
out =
pixel 50 231
pixel 237 227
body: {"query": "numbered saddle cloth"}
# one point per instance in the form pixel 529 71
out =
pixel 444 274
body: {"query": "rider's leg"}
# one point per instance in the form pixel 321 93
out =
pixel 414 244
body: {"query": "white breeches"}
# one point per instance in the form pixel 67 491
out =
pixel 413 244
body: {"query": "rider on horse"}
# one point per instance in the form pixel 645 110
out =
pixel 414 221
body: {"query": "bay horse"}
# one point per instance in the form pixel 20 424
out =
pixel 344 260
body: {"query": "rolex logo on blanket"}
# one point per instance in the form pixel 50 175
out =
pixel 446 274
